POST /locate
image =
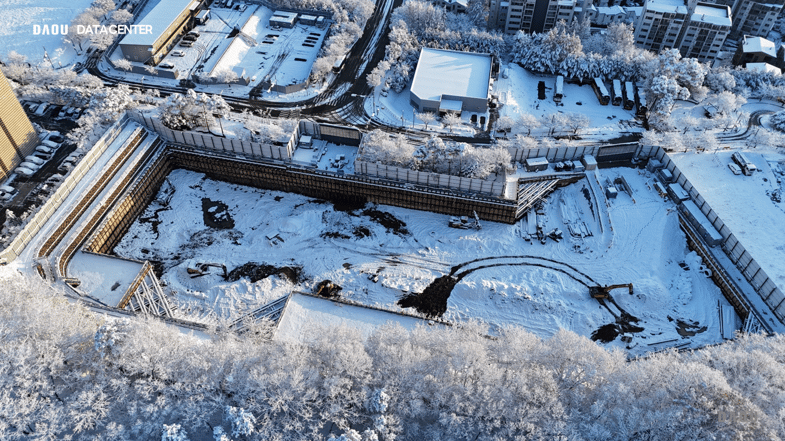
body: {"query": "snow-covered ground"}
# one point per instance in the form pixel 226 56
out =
pixel 17 21
pixel 633 239
pixel 745 203
pixel 518 94
pixel 327 156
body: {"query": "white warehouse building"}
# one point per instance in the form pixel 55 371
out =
pixel 451 81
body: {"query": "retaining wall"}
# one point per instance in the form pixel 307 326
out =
pixel 572 153
pixel 316 184
pixel 770 293
pixel 42 216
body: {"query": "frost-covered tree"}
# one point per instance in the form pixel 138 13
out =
pixel 243 422
pixel 777 120
pixel 77 39
pixel 123 64
pixel 450 120
pixel 121 17
pixel 426 118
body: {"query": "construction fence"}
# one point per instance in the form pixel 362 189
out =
pixel 485 186
pixel 556 154
pixel 218 143
pixel 771 294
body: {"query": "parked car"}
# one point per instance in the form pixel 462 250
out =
pixel 55 137
pixel 178 53
pixel 196 34
pixel 166 65
pixel 24 172
pixel 190 37
pixel 51 144
pixel 186 43
pixel 44 149
pixel 35 160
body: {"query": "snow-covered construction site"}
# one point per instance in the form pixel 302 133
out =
pixel 206 237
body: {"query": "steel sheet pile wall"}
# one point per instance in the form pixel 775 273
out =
pixel 494 188
pixel 322 185
pixel 326 185
pixel 770 293
pixel 217 143
pixel 133 203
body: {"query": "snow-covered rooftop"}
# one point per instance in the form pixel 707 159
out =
pixel 613 10
pixel 671 6
pixel 443 72
pixel 304 314
pixel 160 18
pixel 759 44
pixel 712 14
pixel 763 67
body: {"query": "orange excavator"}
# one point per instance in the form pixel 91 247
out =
pixel 603 292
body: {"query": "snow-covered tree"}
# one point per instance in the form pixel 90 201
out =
pixel 77 39
pixel 227 76
pixel 450 120
pixel 243 422
pixel 173 432
pixel 123 64
pixel 777 120
pixel 121 17
pixel 426 118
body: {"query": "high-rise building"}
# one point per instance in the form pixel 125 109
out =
pixel 697 30
pixel 529 15
pixel 17 136
pixel 752 17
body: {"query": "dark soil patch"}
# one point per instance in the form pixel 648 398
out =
pixel 433 300
pixel 587 195
pixel 153 220
pixel 348 205
pixel 541 90
pixel 278 198
pixel 216 214
pixel 388 221
pixel 361 231
pixel 333 235
pixel 624 325
pixel 606 333
pixel 689 329
pixel 256 272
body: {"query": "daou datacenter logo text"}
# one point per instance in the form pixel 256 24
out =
pixel 94 29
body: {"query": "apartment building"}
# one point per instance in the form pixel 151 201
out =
pixel 705 32
pixel 529 15
pixel 697 30
pixel 17 136
pixel 752 17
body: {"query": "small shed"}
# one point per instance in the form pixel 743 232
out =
pixel 283 19
pixel 306 141
pixel 320 21
pixel 202 17
pixel 654 165
pixel 677 193
pixel 665 175
pixel 611 192
pixel 589 162
pixel 309 20
pixel 536 164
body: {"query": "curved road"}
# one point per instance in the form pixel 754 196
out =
pixel 324 105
